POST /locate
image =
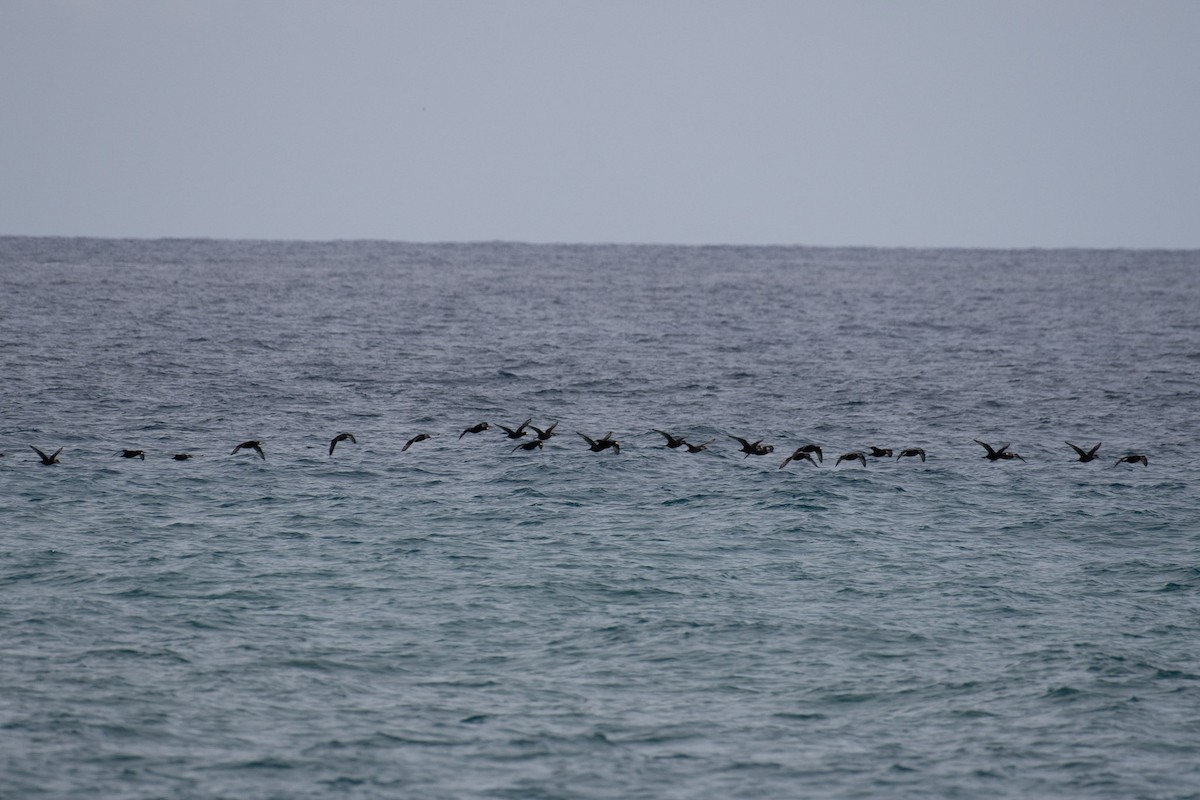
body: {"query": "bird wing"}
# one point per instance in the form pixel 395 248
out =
pixel 1078 449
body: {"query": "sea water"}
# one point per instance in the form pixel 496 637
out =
pixel 466 620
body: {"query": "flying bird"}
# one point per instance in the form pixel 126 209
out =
pixel 754 448
pixel 47 460
pixel 881 452
pixel 543 435
pixel 252 444
pixel 1085 456
pixel 420 437
pixel 181 456
pixel 480 428
pixel 598 445
pixel 1000 453
pixel 1130 459
pixel 912 452
pixel 855 456
pixel 672 441
pixel 535 444
pixel 696 448
pixel 133 454
pixel 515 433
pixel 341 437
pixel 799 455
pixel 813 448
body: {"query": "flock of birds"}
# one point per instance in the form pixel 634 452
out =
pixel 812 453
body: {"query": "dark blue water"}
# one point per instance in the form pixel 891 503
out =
pixel 460 620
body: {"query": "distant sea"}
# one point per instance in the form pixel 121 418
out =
pixel 462 620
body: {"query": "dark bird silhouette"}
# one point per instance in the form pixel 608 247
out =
pixel 912 452
pixel 1087 456
pixel 672 442
pixel 855 456
pixel 420 437
pixel 881 452
pixel 814 448
pixel 252 444
pixel 181 456
pixel 754 448
pixel 543 435
pixel 799 455
pixel 696 448
pixel 480 428
pixel 1130 459
pixel 133 454
pixel 536 444
pixel 598 445
pixel 341 437
pixel 1000 453
pixel 47 460
pixel 515 433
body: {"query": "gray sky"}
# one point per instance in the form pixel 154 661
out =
pixel 918 123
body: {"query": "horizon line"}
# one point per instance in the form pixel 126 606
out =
pixel 563 243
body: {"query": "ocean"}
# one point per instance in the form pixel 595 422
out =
pixel 463 619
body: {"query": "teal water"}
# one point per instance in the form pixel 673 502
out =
pixel 461 620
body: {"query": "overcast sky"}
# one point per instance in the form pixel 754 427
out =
pixel 916 123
